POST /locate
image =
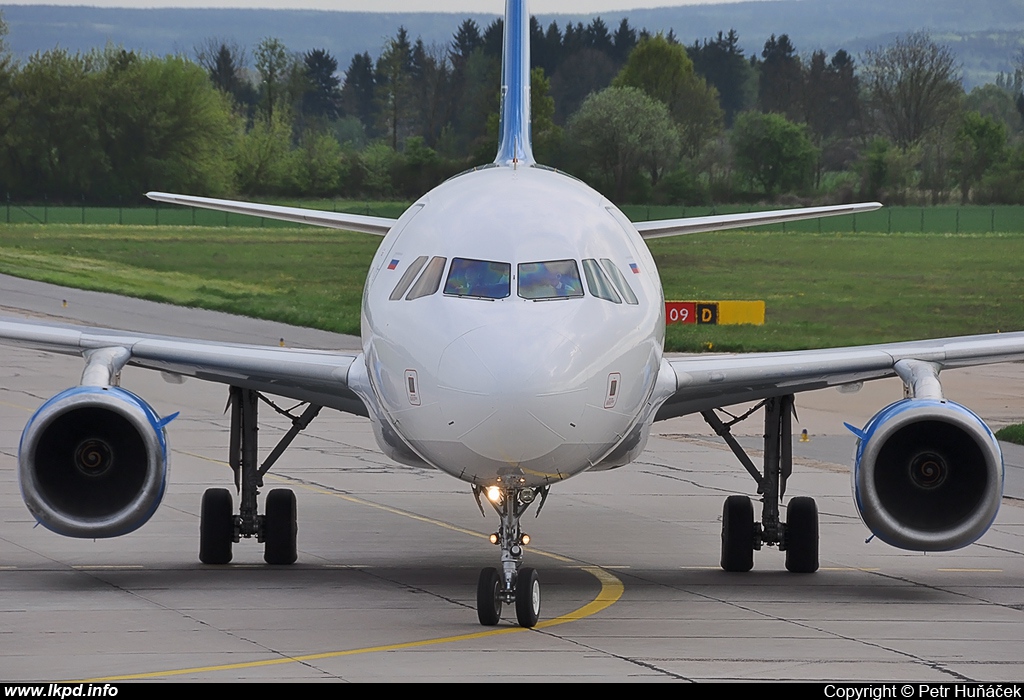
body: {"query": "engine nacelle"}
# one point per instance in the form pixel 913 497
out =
pixel 93 462
pixel 928 475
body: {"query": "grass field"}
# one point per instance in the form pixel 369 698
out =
pixel 821 290
pixel 1012 433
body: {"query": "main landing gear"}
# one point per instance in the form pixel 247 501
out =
pixel 219 526
pixel 798 536
pixel 512 583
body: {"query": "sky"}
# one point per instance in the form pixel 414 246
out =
pixel 496 6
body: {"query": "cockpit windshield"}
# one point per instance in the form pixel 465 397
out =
pixel 556 279
pixel 482 279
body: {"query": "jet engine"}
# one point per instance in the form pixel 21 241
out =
pixel 928 475
pixel 93 462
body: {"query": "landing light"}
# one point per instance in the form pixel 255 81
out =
pixel 525 539
pixel 493 494
pixel 493 538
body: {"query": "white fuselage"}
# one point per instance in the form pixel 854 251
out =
pixel 491 386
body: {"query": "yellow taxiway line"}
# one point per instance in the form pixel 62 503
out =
pixel 611 590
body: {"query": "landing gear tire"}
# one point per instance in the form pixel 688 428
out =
pixel 802 536
pixel 738 534
pixel 280 528
pixel 488 597
pixel 216 527
pixel 527 597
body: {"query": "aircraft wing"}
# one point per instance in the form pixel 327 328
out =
pixel 701 224
pixel 317 376
pixel 705 382
pixel 377 225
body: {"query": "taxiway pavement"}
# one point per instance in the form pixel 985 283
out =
pixel 384 589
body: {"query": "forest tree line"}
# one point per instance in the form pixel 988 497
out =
pixel 641 117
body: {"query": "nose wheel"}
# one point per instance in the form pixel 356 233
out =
pixel 512 584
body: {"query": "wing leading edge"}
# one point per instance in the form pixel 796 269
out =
pixel 702 224
pixel 377 225
pixel 317 376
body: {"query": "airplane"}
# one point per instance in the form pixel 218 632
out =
pixel 512 331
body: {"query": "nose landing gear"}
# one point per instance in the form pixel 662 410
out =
pixel 512 584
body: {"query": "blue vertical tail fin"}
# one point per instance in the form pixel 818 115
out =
pixel 515 143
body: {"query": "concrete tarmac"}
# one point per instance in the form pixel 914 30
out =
pixel 384 589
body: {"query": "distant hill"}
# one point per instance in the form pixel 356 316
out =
pixel 987 34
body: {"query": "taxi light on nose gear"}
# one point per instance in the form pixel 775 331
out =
pixel 524 540
pixel 494 538
pixel 493 494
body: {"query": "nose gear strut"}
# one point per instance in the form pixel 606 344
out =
pixel 513 583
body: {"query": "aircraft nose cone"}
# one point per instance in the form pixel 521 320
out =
pixel 512 398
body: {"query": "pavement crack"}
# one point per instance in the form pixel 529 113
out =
pixel 621 657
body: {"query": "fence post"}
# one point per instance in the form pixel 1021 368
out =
pixel 193 215
pixel 993 225
pixel 46 209
pixel 855 223
pixel 83 209
pixel 888 226
pixel 156 214
pixel 958 220
pixel 120 205
pixel 8 207
pixel 922 219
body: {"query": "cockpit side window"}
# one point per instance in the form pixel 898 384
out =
pixel 407 277
pixel 619 281
pixel 429 281
pixel 598 283
pixel 555 279
pixel 481 279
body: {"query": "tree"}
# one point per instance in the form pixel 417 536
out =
pixel 772 151
pixel 620 130
pixel 262 157
pixel 998 102
pixel 272 63
pixel 913 88
pixel 623 41
pixel 546 134
pixel 596 36
pixel 467 39
pixel 8 98
pixel 980 143
pixel 844 96
pixel 324 96
pixel 114 123
pixel 52 145
pixel 432 90
pixel 318 166
pixel 665 72
pixel 724 66
pixel 162 125
pixel 394 87
pixel 583 72
pixel 781 79
pixel 224 61
pixel 357 93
